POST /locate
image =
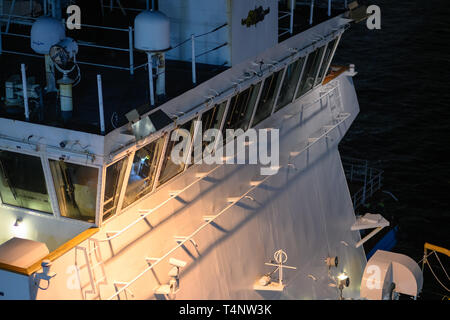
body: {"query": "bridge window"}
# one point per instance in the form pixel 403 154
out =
pixel 115 174
pixel 143 171
pixel 268 94
pixel 211 119
pixel 76 189
pixel 240 110
pixel 169 167
pixel 22 182
pixel 290 83
pixel 310 72
pixel 326 60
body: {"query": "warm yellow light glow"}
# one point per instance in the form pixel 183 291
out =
pixel 343 277
pixel 19 228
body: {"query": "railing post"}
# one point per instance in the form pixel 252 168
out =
pixel 329 7
pixel 194 75
pixel 311 12
pixel 25 92
pixel 100 104
pixel 131 49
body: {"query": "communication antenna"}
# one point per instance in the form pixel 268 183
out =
pixel 152 35
pixel 45 33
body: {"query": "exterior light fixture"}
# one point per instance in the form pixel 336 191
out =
pixel 343 281
pixel 332 261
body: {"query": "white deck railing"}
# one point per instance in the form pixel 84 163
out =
pixel 232 201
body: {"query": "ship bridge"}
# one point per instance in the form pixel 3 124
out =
pixel 69 173
pixel 63 181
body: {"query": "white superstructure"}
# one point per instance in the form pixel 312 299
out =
pixel 121 220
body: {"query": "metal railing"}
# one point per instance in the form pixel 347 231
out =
pixel 25 20
pixel 357 170
pixel 232 201
pixel 129 49
pixel 285 14
pixel 200 177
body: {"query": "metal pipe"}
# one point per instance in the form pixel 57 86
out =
pixel 329 7
pixel 194 75
pixel 100 103
pixel 25 92
pixel 291 24
pixel 161 75
pixel 53 8
pixel 130 41
pixel 210 221
pixel 45 7
pixel 0 41
pixel 311 12
pixel 150 78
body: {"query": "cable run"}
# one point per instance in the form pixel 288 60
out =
pixel 213 49
pixel 200 35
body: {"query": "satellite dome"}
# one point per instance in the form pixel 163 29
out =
pixel 45 33
pixel 152 31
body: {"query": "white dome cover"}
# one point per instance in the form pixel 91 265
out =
pixel 152 31
pixel 45 33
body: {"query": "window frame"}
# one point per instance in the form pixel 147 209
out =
pixel 120 193
pixel 305 58
pixel 48 182
pixel 100 189
pixel 333 51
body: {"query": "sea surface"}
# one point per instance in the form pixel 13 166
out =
pixel 403 87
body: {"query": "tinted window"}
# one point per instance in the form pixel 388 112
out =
pixel 326 61
pixel 240 110
pixel 310 72
pixel 211 119
pixel 143 171
pixel 22 181
pixel 290 83
pixel 114 180
pixel 170 168
pixel 266 100
pixel 76 189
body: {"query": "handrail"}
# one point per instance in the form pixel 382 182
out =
pixel 175 195
pixel 432 247
pixel 231 204
pixel 142 217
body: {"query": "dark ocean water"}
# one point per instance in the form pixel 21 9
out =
pixel 403 86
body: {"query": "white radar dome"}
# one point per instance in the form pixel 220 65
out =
pixel 152 31
pixel 45 33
